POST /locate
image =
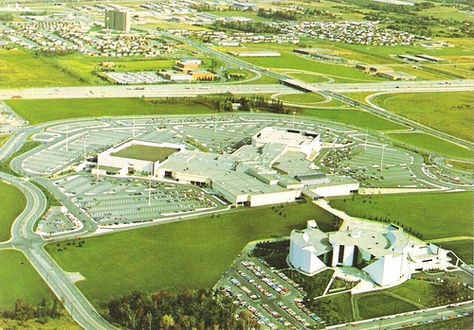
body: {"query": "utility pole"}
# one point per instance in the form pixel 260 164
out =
pixel 133 127
pixel 149 191
pixel 381 159
pixel 214 123
pixel 84 147
pixel 67 138
pixel 365 146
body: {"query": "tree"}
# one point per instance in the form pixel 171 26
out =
pixel 167 321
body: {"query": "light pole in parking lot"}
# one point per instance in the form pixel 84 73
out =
pixel 67 138
pixel 381 159
pixel 366 136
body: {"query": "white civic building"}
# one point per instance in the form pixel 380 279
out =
pixel 385 252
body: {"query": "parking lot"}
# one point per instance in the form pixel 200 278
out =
pixel 273 299
pixel 392 169
pixel 57 221
pixel 131 78
pixel 123 201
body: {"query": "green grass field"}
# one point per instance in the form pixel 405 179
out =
pixel 302 98
pixel 355 118
pixel 418 291
pixel 3 139
pixel 379 304
pixel 148 153
pixel 64 322
pixel 40 111
pixel 434 215
pixel 433 145
pixel 462 248
pixel 19 68
pixel 189 254
pixel 84 67
pixel 18 280
pixel 287 60
pixel 460 165
pixel 463 323
pixel 447 112
pixel 309 77
pixel 12 203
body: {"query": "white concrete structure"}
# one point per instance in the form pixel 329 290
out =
pixel 273 170
pixel 295 140
pixel 385 252
pixel 108 162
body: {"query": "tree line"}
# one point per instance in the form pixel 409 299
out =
pixel 254 27
pixel 23 311
pixel 189 309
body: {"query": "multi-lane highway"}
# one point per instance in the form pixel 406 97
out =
pixel 189 90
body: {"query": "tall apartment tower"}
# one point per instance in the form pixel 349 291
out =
pixel 117 20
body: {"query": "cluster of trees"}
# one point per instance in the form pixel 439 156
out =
pixel 254 27
pixel 24 311
pixel 452 291
pixel 6 17
pixel 198 309
pixel 277 14
pixel 274 253
pixel 248 103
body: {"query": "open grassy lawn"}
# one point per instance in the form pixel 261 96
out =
pixel 433 145
pixel 380 304
pixel 447 112
pixel 462 248
pixel 40 111
pixel 12 203
pixel 145 153
pixel 64 322
pixel 84 67
pixel 20 68
pixel 434 215
pixel 418 291
pixel 355 118
pixel 359 96
pixel 463 323
pixel 292 61
pixel 307 77
pixel 460 165
pixel 303 98
pixel 3 139
pixel 339 304
pixel 188 254
pixel 18 280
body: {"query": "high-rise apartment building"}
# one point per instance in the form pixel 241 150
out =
pixel 117 20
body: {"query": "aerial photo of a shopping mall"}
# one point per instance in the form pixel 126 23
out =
pixel 236 165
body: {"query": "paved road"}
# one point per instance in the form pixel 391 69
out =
pixel 165 90
pixel 27 241
pixel 381 112
pixel 229 59
pixel 389 86
pixel 189 90
pixel 399 321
